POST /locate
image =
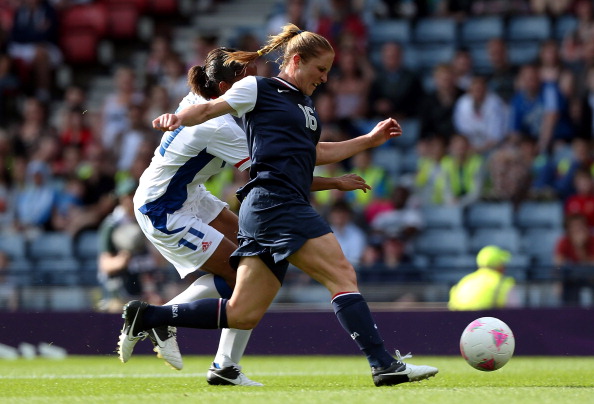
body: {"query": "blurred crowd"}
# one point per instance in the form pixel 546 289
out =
pixel 507 133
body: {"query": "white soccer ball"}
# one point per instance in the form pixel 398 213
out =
pixel 487 344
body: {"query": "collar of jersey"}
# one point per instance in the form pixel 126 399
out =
pixel 286 83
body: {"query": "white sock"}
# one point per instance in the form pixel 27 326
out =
pixel 233 341
pixel 232 346
pixel 202 288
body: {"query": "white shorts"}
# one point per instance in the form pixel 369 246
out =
pixel 189 248
pixel 26 52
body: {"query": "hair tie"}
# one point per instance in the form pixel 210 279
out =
pixel 299 31
pixel 259 52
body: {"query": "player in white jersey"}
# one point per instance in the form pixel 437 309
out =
pixel 192 228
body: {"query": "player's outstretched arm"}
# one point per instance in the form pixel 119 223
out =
pixel 347 182
pixel 193 115
pixel 332 152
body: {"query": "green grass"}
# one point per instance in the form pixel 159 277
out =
pixel 292 380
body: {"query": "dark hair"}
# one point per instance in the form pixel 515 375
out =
pixel 204 80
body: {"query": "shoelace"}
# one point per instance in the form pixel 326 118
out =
pixel 402 358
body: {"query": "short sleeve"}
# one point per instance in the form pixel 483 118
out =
pixel 242 95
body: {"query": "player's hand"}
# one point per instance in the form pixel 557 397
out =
pixel 167 122
pixel 384 131
pixel 351 182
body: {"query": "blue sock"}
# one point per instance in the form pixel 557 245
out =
pixel 354 316
pixel 202 313
pixel 221 284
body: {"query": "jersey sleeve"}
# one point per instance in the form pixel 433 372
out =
pixel 233 149
pixel 242 95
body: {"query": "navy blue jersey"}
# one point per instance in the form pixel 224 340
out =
pixel 282 129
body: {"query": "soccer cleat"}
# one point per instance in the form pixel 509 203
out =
pixel 228 376
pixel 164 340
pixel 401 372
pixel 132 331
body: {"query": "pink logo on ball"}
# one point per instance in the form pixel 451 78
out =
pixel 499 337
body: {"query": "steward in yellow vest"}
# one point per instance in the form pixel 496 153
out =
pixel 487 287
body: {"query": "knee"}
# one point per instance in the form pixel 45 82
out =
pixel 242 319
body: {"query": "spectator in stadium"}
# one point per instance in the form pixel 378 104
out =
pixel 343 26
pixel 488 287
pixel 574 258
pixel 349 82
pixel 515 173
pixel 431 151
pixel 581 157
pixel 159 54
pixel 282 206
pixel 396 90
pixel 125 260
pixel 377 177
pixel 462 174
pixel 31 128
pixel 9 90
pixel 462 68
pixel 174 78
pixel 537 110
pixel 402 223
pixel 572 45
pixel 75 131
pixel 549 61
pixel 33 44
pixel 36 202
pixel 586 109
pixel 97 173
pixel 349 235
pixel 114 115
pixel 481 116
pixel 291 12
pixel 128 143
pixel 158 102
pixel 554 8
pixel 437 107
pixel 582 202
pixel 503 74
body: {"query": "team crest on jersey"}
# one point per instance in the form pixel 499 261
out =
pixel 206 245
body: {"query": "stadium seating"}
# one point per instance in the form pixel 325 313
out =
pixel 547 215
pixel 563 26
pixel 481 29
pixel 57 271
pixel 13 245
pixel 80 46
pixel 540 244
pixel 529 28
pixel 389 158
pixel 490 214
pixel 436 242
pixel 86 245
pixel 51 245
pixel 389 31
pixel 520 53
pixel 442 216
pixel 436 30
pixel 507 237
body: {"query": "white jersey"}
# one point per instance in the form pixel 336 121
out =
pixel 172 206
pixel 186 158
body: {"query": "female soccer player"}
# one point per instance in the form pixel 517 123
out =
pixel 192 228
pixel 277 224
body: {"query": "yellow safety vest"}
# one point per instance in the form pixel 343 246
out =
pixel 483 289
pixel 374 176
pixel 460 178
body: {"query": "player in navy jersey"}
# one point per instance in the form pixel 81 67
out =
pixel 192 228
pixel 277 224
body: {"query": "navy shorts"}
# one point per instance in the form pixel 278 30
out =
pixel 274 227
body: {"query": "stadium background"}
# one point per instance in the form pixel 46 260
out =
pixel 138 51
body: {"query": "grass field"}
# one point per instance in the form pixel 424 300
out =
pixel 292 379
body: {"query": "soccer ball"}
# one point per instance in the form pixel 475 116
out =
pixel 487 344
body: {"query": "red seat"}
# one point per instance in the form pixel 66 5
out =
pixel 79 46
pixel 141 5
pixel 123 19
pixel 92 16
pixel 163 6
